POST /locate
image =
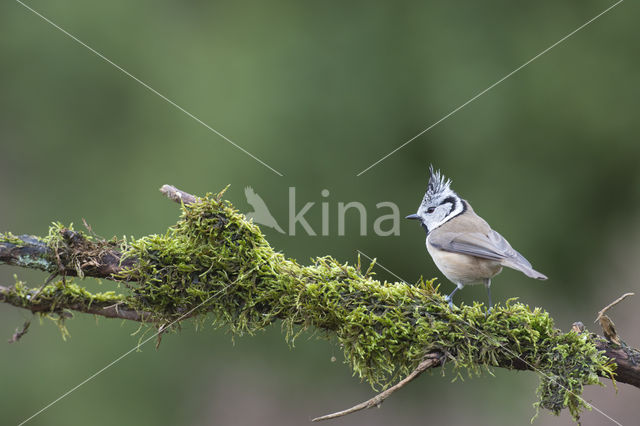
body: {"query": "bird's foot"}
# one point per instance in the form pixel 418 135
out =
pixel 449 298
pixel 449 301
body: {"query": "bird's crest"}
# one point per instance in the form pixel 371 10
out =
pixel 438 184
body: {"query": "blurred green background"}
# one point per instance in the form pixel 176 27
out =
pixel 319 91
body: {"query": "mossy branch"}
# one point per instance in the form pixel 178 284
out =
pixel 214 261
pixel 60 297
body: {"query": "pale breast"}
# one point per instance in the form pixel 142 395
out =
pixel 462 268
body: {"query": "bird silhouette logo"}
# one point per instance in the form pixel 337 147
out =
pixel 260 214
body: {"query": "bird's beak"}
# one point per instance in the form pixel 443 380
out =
pixel 413 216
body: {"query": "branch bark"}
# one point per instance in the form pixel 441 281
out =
pixel 177 195
pixel 75 255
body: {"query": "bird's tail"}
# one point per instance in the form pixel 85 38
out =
pixel 525 269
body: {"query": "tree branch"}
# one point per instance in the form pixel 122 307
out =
pixel 626 358
pixel 65 252
pixel 110 308
pixel 431 360
pixel 174 194
pixel 214 261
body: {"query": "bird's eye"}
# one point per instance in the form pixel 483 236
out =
pixel 430 209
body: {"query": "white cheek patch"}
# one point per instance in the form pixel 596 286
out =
pixel 438 224
pixel 459 208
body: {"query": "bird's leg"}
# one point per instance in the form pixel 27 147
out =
pixel 487 284
pixel 449 298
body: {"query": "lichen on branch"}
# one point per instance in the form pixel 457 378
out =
pixel 215 262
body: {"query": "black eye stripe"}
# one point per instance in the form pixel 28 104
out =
pixel 453 202
pixel 449 200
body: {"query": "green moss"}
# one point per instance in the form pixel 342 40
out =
pixel 57 297
pixel 570 364
pixel 8 237
pixel 53 300
pixel 60 295
pixel 213 261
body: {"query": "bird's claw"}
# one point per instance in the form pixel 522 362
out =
pixel 449 301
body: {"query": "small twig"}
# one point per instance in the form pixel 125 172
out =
pixel 174 194
pixel 115 311
pixel 431 360
pixel 161 329
pixel 47 281
pixel 20 332
pixel 612 304
pixel 608 327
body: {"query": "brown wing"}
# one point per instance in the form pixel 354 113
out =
pixel 470 234
pixel 491 245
